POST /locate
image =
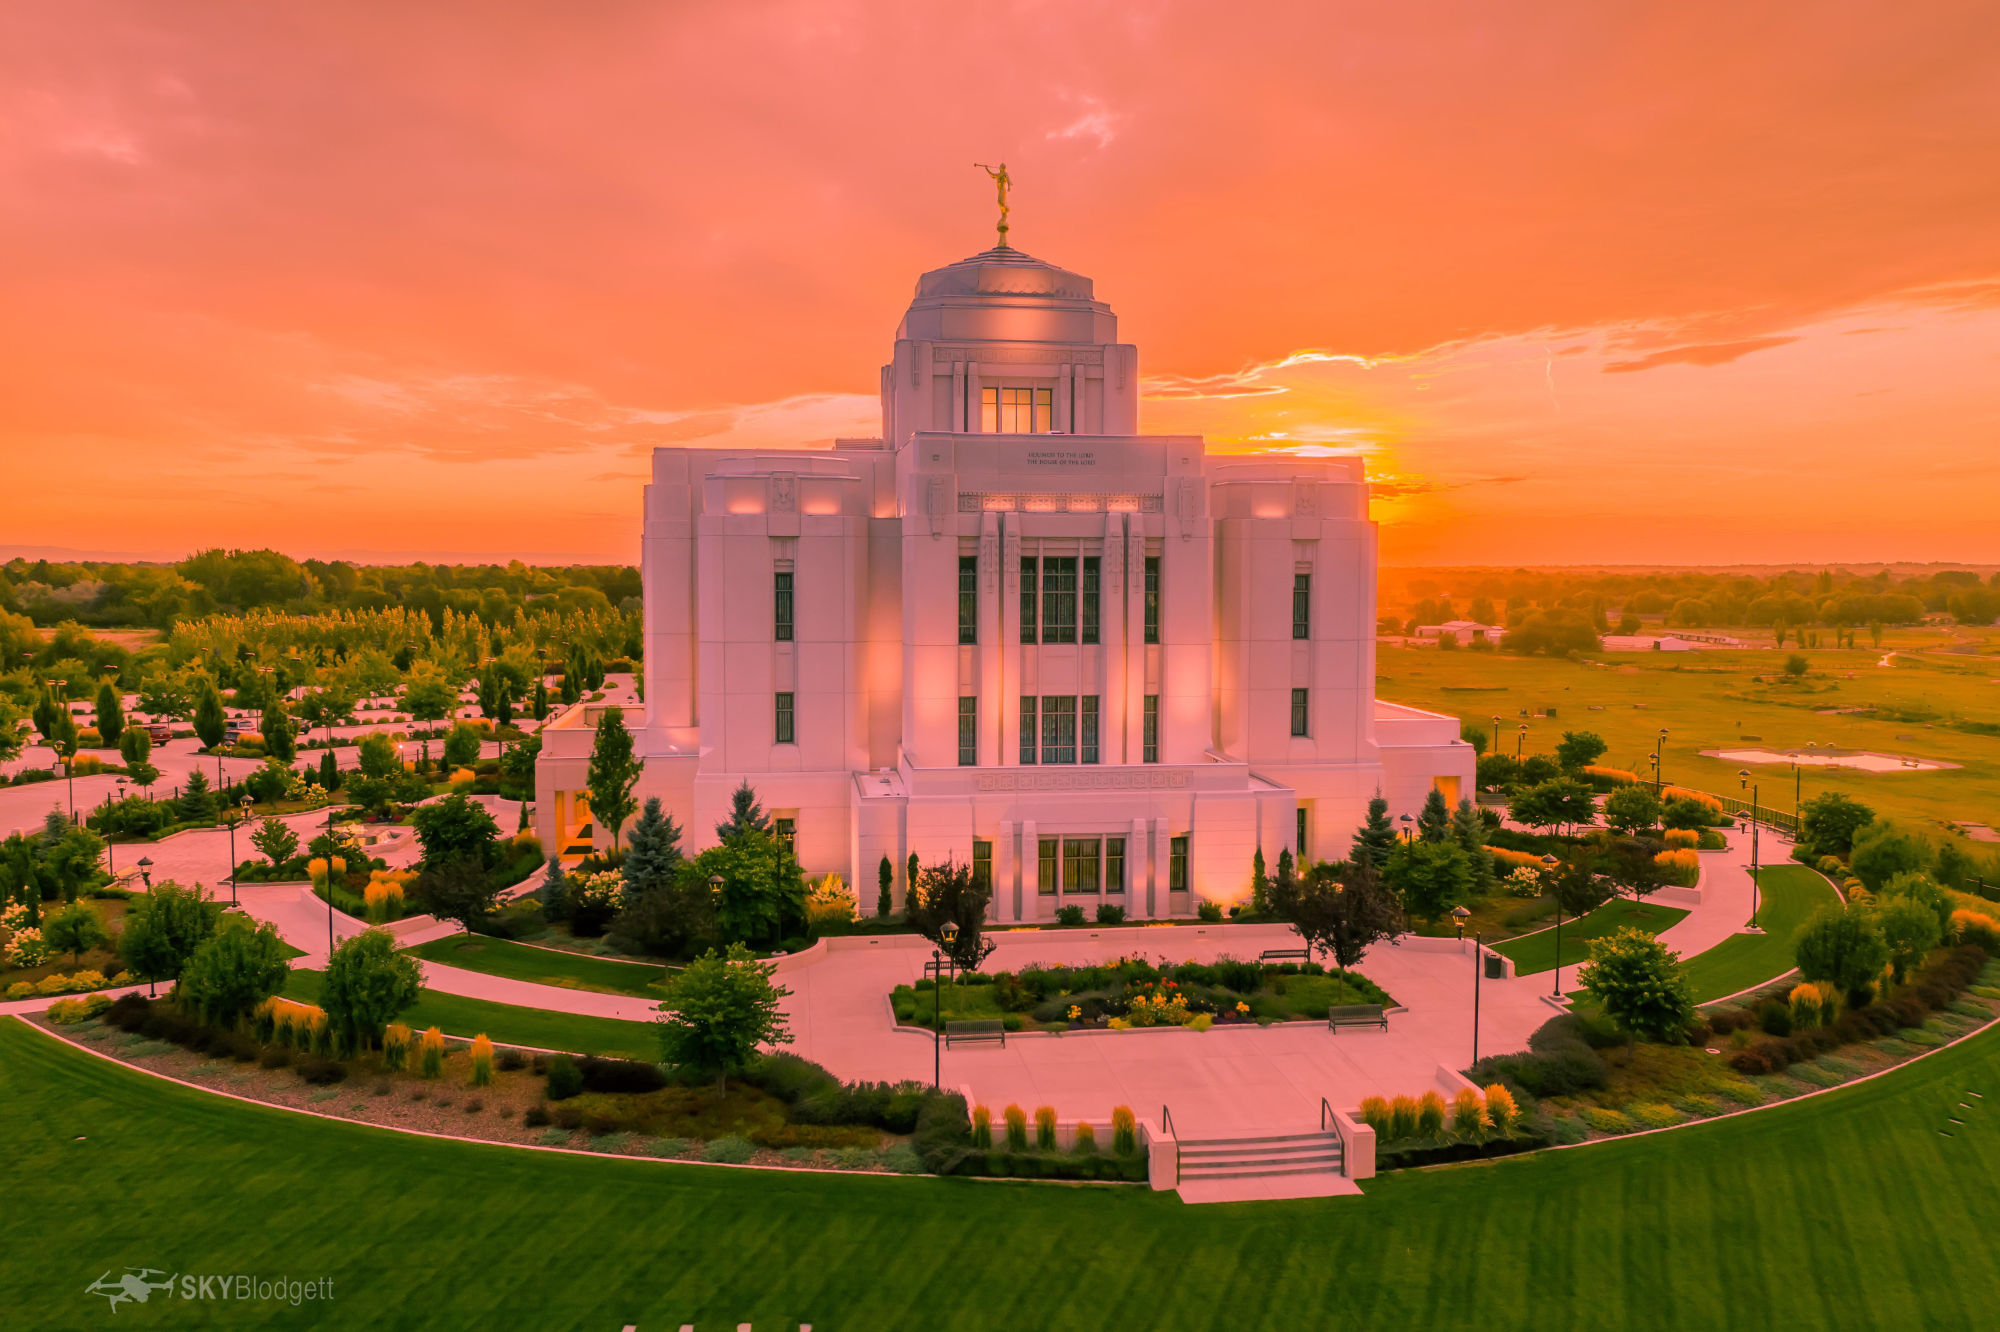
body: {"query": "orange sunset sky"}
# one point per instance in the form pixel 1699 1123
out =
pixel 1585 282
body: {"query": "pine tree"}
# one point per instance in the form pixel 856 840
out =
pixel 554 890
pixel 47 710
pixel 885 881
pixel 653 854
pixel 541 699
pixel 912 869
pixel 1376 838
pixel 209 719
pixel 1469 831
pixel 329 771
pixel 196 802
pixel 745 814
pixel 277 729
pixel 110 714
pixel 1434 820
pixel 1260 884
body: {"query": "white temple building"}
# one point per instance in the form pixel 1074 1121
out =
pixel 1102 666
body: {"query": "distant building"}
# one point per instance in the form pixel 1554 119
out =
pixel 1669 642
pixel 1097 666
pixel 1464 631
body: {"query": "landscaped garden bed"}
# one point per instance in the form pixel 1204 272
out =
pixel 1135 993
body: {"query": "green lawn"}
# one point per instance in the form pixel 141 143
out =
pixel 1848 1210
pixel 543 966
pixel 1790 894
pixel 1537 952
pixel 509 1024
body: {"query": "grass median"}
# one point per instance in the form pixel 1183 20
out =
pixel 511 1024
pixel 1537 952
pixel 544 966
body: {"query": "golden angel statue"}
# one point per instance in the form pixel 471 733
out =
pixel 1001 180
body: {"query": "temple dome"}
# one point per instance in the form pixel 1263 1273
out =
pixel 1004 271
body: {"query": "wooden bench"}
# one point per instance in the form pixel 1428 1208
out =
pixel 1285 955
pixel 1356 1015
pixel 983 1029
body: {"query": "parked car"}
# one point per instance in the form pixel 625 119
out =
pixel 159 732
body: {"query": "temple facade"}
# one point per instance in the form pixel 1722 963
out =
pixel 1100 666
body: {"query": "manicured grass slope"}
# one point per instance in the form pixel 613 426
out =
pixel 542 966
pixel 1790 893
pixel 1848 1210
pixel 1537 952
pixel 510 1024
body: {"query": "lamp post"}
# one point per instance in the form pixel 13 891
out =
pixel 1408 828
pixel 1520 737
pixel 1459 915
pixel 146 871
pixel 110 858
pixel 1549 863
pixel 1657 744
pixel 949 931
pixel 329 883
pixel 1743 779
pixel 1496 733
pixel 1478 969
pixel 234 819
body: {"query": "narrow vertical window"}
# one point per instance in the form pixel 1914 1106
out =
pixel 1045 414
pixel 1301 838
pixel 1059 728
pixel 982 865
pixel 1152 598
pixel 1177 864
pixel 1087 727
pixel 1029 599
pixel 1150 730
pixel 1300 713
pixel 968 598
pixel 1047 864
pixel 786 833
pixel 968 732
pixel 782 728
pixel 1030 728
pixel 1302 605
pixel 1087 613
pixel 781 609
pixel 1114 864
pixel 989 411
pixel 1059 599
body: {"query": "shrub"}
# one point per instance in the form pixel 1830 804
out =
pixel 1468 1116
pixel 620 1075
pixel 1209 911
pixel 1774 1018
pixel 1069 915
pixel 396 1045
pixel 1086 1139
pixel 1607 1121
pixel 1806 1011
pixel 729 1151
pixel 1108 914
pixel 1124 1131
pixel 482 1061
pixel 1976 927
pixel 1679 866
pixel 512 1061
pixel 1501 1110
pixel 1430 1115
pixel 982 1127
pixel 564 1078
pixel 1652 1115
pixel 1402 1118
pixel 276 1056
pixel 1683 838
pixel 322 1072
pixel 537 1116
pixel 430 1053
pixel 1375 1114
pixel 1017 1128
pixel 1045 1127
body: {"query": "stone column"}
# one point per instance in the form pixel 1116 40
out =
pixel 1138 898
pixel 1006 871
pixel 1031 893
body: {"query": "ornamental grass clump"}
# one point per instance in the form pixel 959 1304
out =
pixel 1813 1005
pixel 1124 1131
pixel 1430 1115
pixel 482 1061
pixel 1375 1114
pixel 430 1053
pixel 1086 1140
pixel 1017 1128
pixel 1501 1110
pixel 1402 1118
pixel 1045 1127
pixel 1468 1115
pixel 982 1127
pixel 396 1046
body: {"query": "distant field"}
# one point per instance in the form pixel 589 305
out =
pixel 1711 700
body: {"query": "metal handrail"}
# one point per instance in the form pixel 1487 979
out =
pixel 1325 1113
pixel 1167 1125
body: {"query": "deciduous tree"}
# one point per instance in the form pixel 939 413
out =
pixel 1641 984
pixel 718 1010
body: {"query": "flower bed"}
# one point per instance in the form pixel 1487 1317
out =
pixel 1132 992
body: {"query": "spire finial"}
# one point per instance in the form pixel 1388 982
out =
pixel 1002 180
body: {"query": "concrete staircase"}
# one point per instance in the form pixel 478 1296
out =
pixel 1293 1165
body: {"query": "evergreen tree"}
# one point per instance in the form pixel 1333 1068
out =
pixel 110 714
pixel 540 704
pixel 1285 885
pixel 1376 838
pixel 654 853
pixel 1469 831
pixel 276 726
pixel 613 772
pixel 209 719
pixel 47 710
pixel 554 890
pixel 329 771
pixel 1260 884
pixel 1434 820
pixel 135 745
pixel 197 801
pixel 885 881
pixel 745 814
pixel 910 884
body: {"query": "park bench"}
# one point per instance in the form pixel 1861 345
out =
pixel 1356 1015
pixel 1285 955
pixel 976 1029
